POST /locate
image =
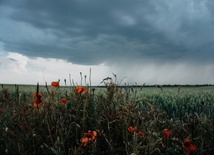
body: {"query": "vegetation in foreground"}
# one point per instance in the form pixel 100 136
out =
pixel 116 120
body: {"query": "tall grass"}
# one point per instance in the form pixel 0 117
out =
pixel 115 120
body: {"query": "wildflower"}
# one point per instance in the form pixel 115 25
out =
pixel 63 100
pixel 87 137
pixel 55 83
pixel 140 133
pixel 187 144
pixel 166 132
pixel 37 95
pixel 37 103
pixel 80 89
pixel 131 129
pixel 37 98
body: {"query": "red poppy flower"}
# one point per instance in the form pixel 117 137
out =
pixel 37 103
pixel 140 133
pixel 37 99
pixel 37 95
pixel 55 83
pixel 87 137
pixel 63 100
pixel 166 132
pixel 187 144
pixel 131 129
pixel 80 89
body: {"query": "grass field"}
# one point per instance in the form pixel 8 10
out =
pixel 106 120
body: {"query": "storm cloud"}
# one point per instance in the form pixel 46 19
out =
pixel 90 32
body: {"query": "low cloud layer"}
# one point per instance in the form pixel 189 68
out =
pixel 18 69
pixel 161 35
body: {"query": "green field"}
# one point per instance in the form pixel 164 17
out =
pixel 107 120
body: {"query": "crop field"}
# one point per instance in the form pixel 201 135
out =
pixel 107 120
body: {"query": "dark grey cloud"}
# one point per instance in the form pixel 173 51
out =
pixel 95 31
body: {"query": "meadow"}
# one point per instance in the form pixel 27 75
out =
pixel 107 120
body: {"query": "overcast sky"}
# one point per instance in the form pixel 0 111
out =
pixel 146 41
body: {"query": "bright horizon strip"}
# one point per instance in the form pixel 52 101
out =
pixel 19 69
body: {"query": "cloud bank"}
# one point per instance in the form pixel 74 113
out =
pixel 158 39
